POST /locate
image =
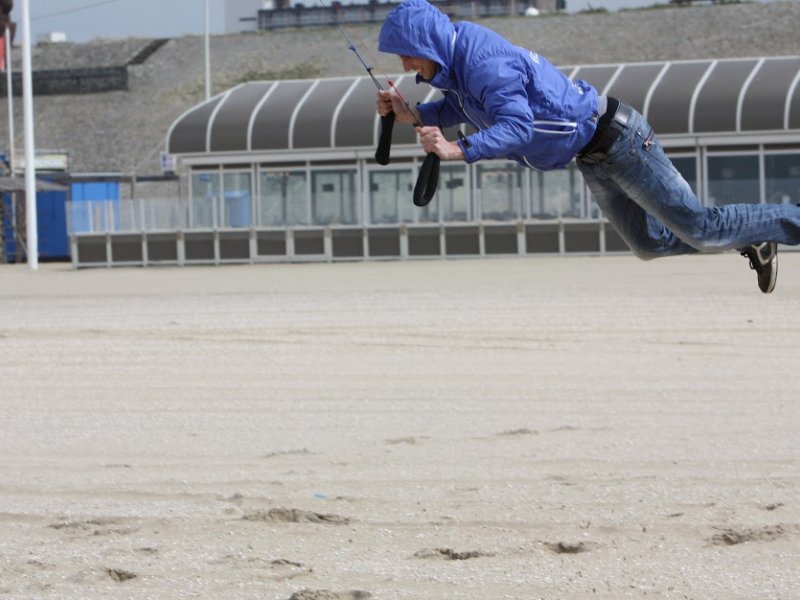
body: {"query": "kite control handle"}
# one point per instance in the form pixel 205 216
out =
pixel 427 180
pixel 428 177
pixel 385 140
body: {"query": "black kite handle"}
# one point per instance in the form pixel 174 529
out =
pixel 385 141
pixel 427 180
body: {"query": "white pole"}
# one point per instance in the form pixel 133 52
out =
pixel 30 167
pixel 208 54
pixel 9 85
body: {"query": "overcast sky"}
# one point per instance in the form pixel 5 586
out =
pixel 83 20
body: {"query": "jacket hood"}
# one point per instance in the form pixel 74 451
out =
pixel 419 29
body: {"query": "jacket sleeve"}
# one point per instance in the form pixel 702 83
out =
pixel 441 113
pixel 499 86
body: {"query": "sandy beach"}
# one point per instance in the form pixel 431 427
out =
pixel 555 428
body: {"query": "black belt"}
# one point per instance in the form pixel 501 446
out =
pixel 609 128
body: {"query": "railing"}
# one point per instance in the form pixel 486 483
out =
pixel 126 216
pixel 157 215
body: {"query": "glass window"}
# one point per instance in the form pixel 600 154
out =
pixel 556 194
pixel 390 197
pixel 453 193
pixel 733 180
pixel 127 216
pixel 236 207
pixel 500 191
pixel 163 214
pixel 205 196
pixel 687 167
pixel 782 172
pixel 79 217
pixel 284 199
pixel 92 216
pixel 334 197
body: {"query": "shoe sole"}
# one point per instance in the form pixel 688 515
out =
pixel 773 275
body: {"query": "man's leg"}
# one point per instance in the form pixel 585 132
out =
pixel 638 165
pixel 645 235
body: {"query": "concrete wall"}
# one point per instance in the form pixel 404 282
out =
pixel 72 81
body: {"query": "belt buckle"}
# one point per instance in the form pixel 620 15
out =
pixel 623 114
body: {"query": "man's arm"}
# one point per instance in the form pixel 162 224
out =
pixel 388 101
pixel 500 88
pixel 442 113
pixel 433 140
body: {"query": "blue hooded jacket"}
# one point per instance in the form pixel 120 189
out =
pixel 523 107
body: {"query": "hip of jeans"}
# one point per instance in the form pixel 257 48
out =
pixel 611 127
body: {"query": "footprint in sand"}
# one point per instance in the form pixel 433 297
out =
pixel 516 432
pixel 450 554
pixel 732 537
pixel 410 440
pixel 569 547
pixel 120 575
pixel 278 569
pixel 99 526
pixel 293 515
pixel 100 574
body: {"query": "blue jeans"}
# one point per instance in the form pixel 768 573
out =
pixel 654 210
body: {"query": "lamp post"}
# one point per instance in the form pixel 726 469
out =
pixel 32 235
pixel 208 52
pixel 9 84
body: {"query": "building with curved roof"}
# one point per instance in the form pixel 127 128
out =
pixel 681 100
pixel 284 170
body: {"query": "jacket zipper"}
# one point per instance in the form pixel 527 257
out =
pixel 464 110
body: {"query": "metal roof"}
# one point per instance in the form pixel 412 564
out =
pixel 17 184
pixel 681 97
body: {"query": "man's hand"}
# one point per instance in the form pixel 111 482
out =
pixel 388 101
pixel 434 141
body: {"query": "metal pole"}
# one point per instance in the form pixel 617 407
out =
pixel 208 54
pixel 10 91
pixel 32 240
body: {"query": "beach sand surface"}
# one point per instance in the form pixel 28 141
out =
pixel 556 428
